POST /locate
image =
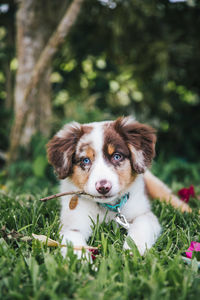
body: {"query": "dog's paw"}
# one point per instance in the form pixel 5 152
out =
pixel 64 252
pixel 85 255
pixel 141 247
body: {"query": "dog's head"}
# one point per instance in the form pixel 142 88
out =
pixel 102 158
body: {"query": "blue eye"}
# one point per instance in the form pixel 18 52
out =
pixel 86 161
pixel 117 157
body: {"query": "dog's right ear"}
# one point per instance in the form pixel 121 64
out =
pixel 140 139
pixel 61 148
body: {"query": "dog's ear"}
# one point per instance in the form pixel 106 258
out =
pixel 140 139
pixel 61 148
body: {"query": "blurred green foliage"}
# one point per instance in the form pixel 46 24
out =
pixel 31 172
pixel 140 58
pixel 123 57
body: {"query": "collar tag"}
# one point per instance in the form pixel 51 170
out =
pixel 121 220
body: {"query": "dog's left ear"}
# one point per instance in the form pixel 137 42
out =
pixel 140 139
pixel 61 148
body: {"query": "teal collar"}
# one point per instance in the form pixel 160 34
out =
pixel 120 203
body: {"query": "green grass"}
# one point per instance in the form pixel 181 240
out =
pixel 29 270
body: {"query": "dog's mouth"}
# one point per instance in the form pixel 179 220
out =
pixel 103 198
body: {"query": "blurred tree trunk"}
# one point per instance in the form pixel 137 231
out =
pixel 36 45
pixel 8 22
pixel 31 38
pixel 34 25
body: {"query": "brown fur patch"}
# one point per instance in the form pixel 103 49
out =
pixel 73 202
pixel 90 153
pixel 86 129
pixel 80 171
pixel 113 142
pixel 158 190
pixel 116 142
pixel 79 177
pixel 125 174
pixel 60 150
pixel 141 137
pixel 82 147
pixel 111 149
pixel 85 150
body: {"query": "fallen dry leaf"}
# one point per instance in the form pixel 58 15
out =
pixel 46 240
pixel 51 243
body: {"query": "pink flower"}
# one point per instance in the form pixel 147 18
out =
pixel 186 193
pixel 194 246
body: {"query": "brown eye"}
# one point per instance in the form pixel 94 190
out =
pixel 117 157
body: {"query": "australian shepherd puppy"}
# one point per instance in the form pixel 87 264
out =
pixel 108 161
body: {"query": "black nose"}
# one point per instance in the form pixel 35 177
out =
pixel 103 186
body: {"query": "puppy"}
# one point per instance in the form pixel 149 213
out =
pixel 107 160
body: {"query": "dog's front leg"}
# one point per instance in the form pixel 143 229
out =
pixel 75 228
pixel 144 231
pixel 76 223
pixel 74 236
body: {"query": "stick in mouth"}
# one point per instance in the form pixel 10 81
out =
pixel 65 194
pixel 71 193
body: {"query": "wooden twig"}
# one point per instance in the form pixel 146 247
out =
pixel 79 248
pixel 64 194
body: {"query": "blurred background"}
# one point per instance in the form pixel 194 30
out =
pixel 110 58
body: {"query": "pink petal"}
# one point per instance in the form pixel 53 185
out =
pixel 194 246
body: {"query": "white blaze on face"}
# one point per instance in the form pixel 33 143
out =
pixel 100 169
